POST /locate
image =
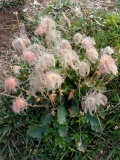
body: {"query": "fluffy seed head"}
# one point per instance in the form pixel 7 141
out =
pixel 87 42
pixel 84 68
pixel 40 30
pixel 92 54
pixel 53 81
pixel 52 36
pixel 107 65
pixel 10 84
pixel 77 38
pixel 19 105
pixel 47 23
pixel 68 57
pixel 37 83
pixel 107 50
pixel 37 49
pixel 93 101
pixel 20 44
pixel 16 69
pixel 64 44
pixel 65 20
pixel 44 63
pixel 78 12
pixel 29 57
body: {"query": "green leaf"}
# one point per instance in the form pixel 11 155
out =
pixel 35 131
pixel 63 129
pixel 61 114
pixel 101 112
pixel 81 145
pixel 84 89
pixel 75 107
pixel 46 118
pixel 45 130
pixel 94 122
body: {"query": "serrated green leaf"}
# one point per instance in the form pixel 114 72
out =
pixel 45 130
pixel 61 114
pixel 35 131
pixel 46 119
pixel 75 108
pixel 63 130
pixel 94 122
pixel 96 128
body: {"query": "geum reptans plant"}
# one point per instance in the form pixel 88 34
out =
pixel 65 78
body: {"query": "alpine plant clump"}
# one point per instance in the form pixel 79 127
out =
pixel 63 74
pixel 59 54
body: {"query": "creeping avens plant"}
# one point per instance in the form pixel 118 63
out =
pixel 65 77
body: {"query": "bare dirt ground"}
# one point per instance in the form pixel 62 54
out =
pixel 9 26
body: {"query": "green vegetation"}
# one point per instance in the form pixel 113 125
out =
pixel 4 4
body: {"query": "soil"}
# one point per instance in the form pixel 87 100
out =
pixel 9 26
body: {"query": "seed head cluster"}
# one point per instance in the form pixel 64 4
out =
pixel 107 65
pixel 93 101
pixel 60 53
pixel 77 38
pixel 20 44
pixel 37 49
pixel 65 22
pixel 19 105
pixel 10 84
pixel 29 57
pixel 107 50
pixel 45 62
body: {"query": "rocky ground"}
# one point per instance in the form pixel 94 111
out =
pixel 9 26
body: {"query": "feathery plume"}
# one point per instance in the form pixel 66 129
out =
pixel 20 44
pixel 40 30
pixel 107 65
pixel 65 20
pixel 77 38
pixel 16 69
pixel 93 101
pixel 53 80
pixel 52 36
pixel 37 83
pixel 68 57
pixel 107 50
pixel 64 44
pixel 19 105
pixel 47 23
pixel 10 84
pixel 37 49
pixel 78 12
pixel 88 42
pixel 29 57
pixel 44 63
pixel 92 54
pixel 83 68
